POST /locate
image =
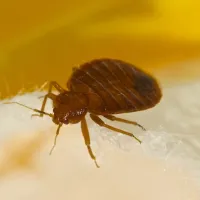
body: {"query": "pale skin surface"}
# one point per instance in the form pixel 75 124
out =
pixel 123 174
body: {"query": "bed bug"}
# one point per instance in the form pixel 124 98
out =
pixel 102 87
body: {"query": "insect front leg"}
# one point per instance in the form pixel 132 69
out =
pixel 113 118
pixel 100 122
pixel 50 95
pixel 86 136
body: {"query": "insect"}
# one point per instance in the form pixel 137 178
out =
pixel 101 87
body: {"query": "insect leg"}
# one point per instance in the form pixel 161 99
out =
pixel 113 118
pixel 57 133
pixel 86 136
pixel 100 122
pixel 50 94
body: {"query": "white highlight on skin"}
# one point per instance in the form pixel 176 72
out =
pixel 166 165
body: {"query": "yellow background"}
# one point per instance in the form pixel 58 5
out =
pixel 43 40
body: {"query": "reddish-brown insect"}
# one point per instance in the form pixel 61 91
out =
pixel 102 87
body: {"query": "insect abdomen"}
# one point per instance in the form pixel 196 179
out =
pixel 118 86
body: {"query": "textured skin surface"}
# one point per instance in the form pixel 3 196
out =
pixel 114 86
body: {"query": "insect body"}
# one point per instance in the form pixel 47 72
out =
pixel 102 87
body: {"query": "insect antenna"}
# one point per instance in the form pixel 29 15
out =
pixel 35 110
pixel 39 111
pixel 57 133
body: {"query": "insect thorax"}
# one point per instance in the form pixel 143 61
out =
pixel 70 107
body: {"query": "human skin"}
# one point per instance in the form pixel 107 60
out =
pixel 160 168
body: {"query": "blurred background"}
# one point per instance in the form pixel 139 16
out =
pixel 43 40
